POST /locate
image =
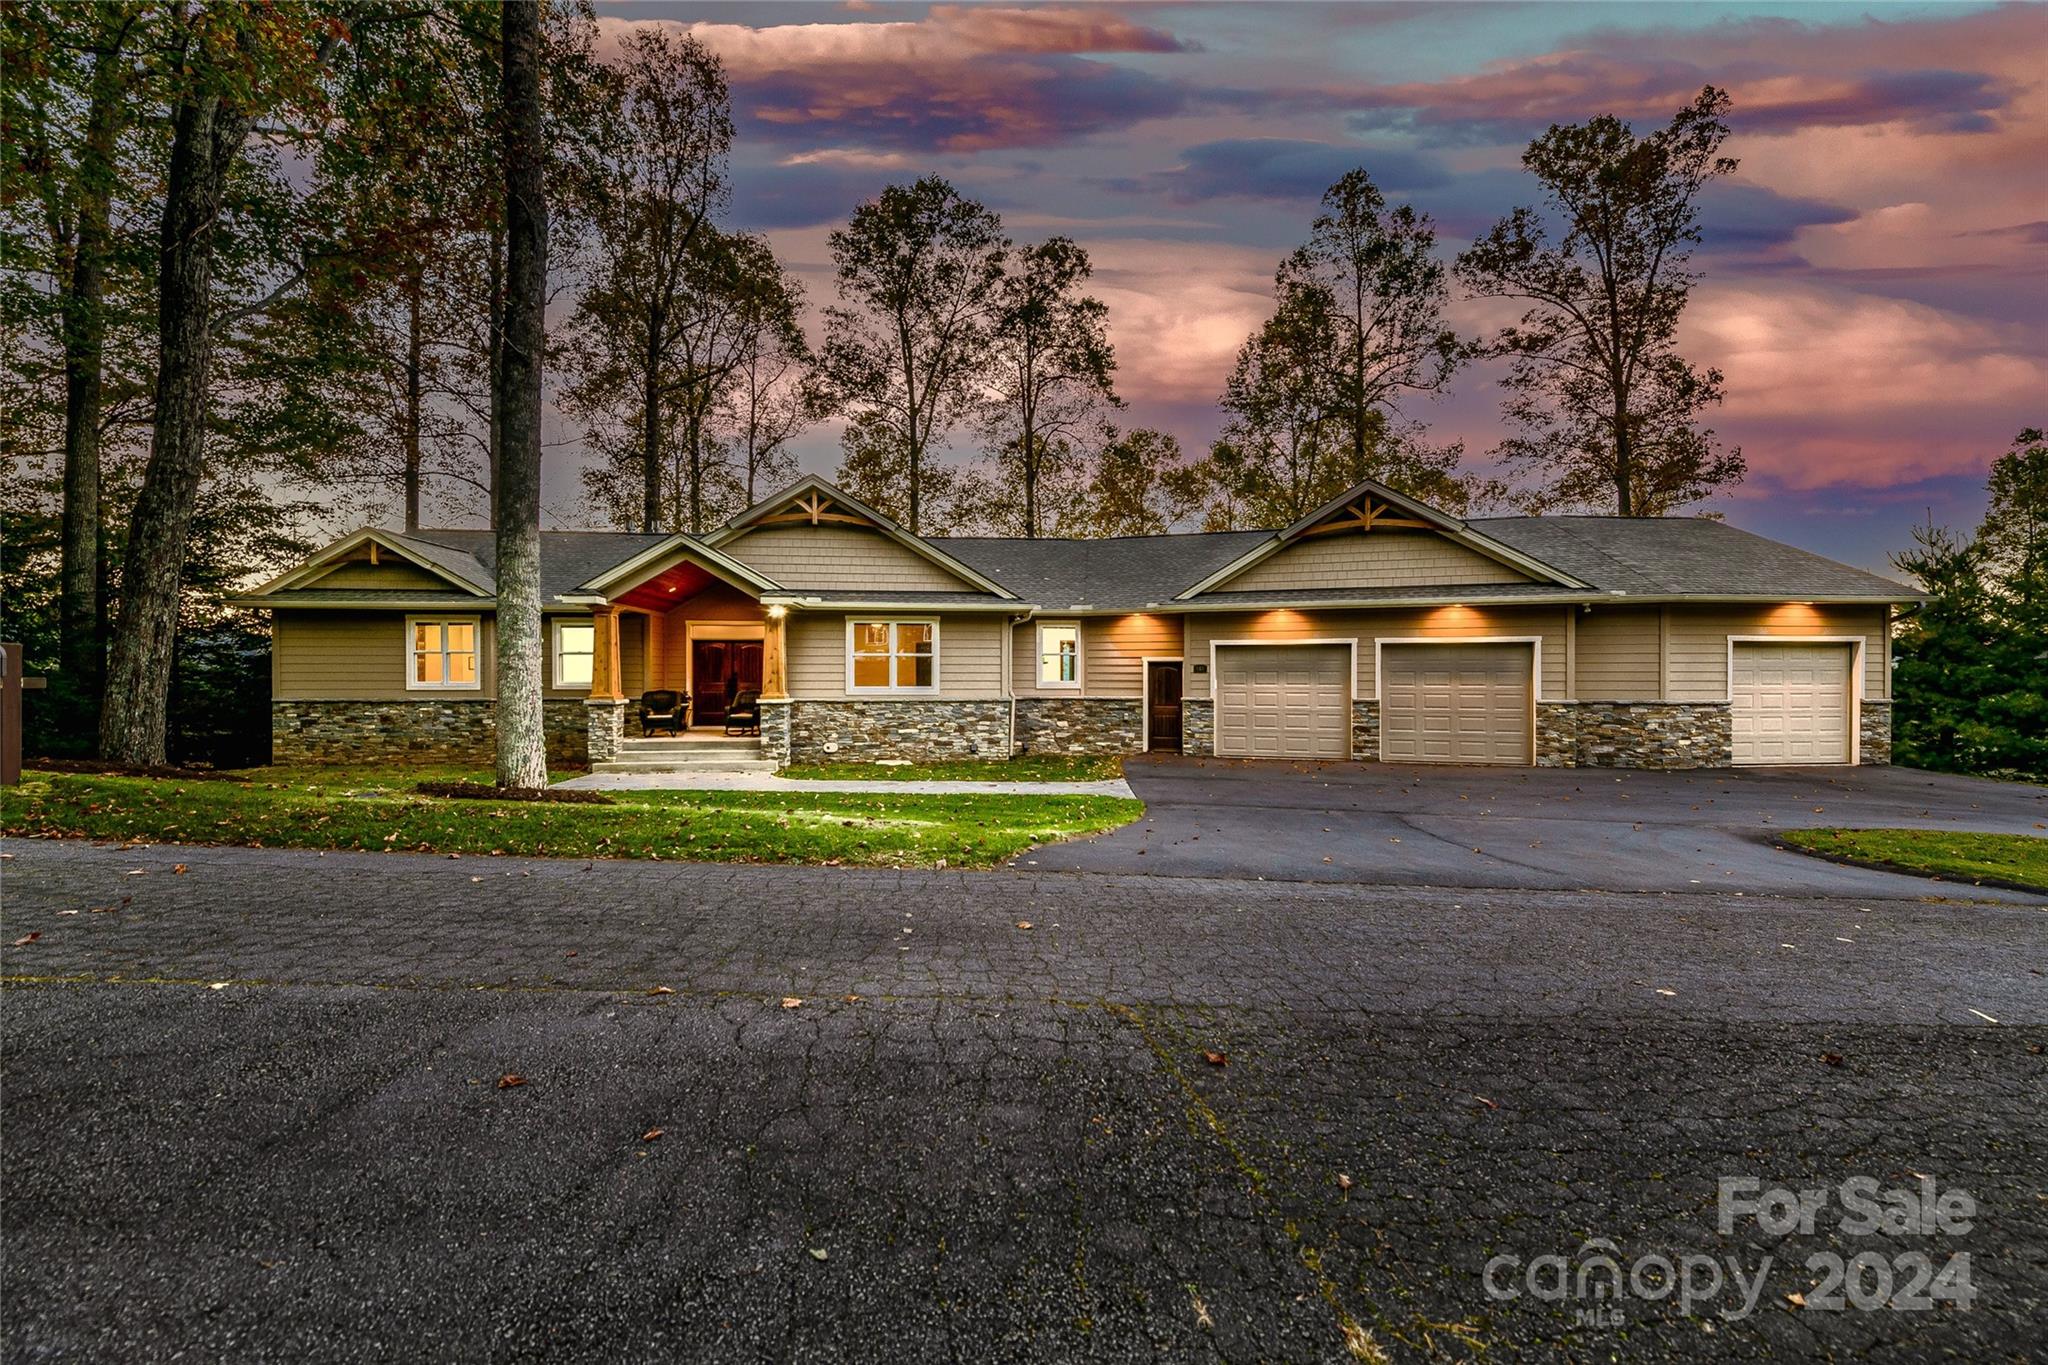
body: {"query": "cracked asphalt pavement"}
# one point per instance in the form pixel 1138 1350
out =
pixel 253 1110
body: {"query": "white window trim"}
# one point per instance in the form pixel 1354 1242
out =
pixel 1038 660
pixel 414 622
pixel 1856 695
pixel 555 653
pixel 891 689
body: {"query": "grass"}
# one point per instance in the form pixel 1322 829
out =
pixel 2015 860
pixel 376 808
pixel 1047 768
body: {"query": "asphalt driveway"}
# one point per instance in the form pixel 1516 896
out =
pixel 1535 828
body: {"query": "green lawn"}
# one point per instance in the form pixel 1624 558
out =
pixel 376 808
pixel 2016 859
pixel 1027 769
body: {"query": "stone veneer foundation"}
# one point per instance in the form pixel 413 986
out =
pixel 1198 726
pixel 869 729
pixel 436 730
pixel 1634 734
pixel 1874 742
pixel 1080 725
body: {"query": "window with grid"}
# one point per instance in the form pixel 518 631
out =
pixel 893 656
pixel 443 653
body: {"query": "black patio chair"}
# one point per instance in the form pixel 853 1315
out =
pixel 663 710
pixel 743 716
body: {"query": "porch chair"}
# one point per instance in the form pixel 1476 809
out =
pixel 743 716
pixel 663 709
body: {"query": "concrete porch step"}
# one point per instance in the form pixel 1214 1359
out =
pixel 634 763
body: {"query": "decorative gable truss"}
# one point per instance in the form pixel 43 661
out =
pixel 815 536
pixel 1371 538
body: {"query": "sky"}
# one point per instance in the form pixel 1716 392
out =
pixel 1875 273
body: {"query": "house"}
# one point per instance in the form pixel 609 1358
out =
pixel 1373 628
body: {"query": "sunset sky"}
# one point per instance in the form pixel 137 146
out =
pixel 1875 287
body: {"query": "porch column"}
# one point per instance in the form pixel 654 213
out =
pixel 774 672
pixel 604 658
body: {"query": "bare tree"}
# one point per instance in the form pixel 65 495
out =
pixel 1611 408
pixel 907 347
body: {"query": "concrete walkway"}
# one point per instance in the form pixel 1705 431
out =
pixel 684 780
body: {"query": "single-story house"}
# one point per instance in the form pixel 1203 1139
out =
pixel 1375 628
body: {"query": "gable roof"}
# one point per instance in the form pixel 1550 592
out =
pixel 1367 504
pixel 568 559
pixel 826 493
pixel 463 575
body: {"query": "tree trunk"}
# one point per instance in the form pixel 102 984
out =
pixel 413 401
pixel 81 650
pixel 207 136
pixel 1624 462
pixel 522 740
pixel 650 426
pixel 494 344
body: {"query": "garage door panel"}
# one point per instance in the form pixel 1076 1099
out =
pixel 1283 701
pixel 1454 703
pixel 1789 702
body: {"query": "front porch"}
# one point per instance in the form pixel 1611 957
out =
pixel 693 624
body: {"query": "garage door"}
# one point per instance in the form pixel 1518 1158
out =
pixel 1456 703
pixel 1283 701
pixel 1791 702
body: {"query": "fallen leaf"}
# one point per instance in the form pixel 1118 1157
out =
pixel 661 990
pixel 28 938
pixel 1796 1300
pixel 1023 924
pixel 1490 1104
pixel 218 986
pixel 820 1254
pixel 510 1079
pixel 1662 991
pixel 177 868
pixel 849 999
pixel 1343 1181
pixel 476 879
pixel 136 872
pixel 650 1135
pixel 790 1002
pixel 1216 1058
pixel 1831 1058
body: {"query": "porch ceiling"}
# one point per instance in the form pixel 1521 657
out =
pixel 677 583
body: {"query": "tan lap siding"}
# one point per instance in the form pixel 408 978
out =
pixel 1113 651
pixel 1445 623
pixel 840 557
pixel 1699 642
pixel 359 656
pixel 1372 559
pixel 391 575
pixel 1617 654
pixel 970 655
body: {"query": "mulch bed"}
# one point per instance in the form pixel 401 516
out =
pixel 482 791
pixel 96 768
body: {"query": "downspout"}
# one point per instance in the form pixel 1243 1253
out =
pixel 1009 684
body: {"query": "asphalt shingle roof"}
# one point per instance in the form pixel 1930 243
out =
pixel 1640 556
pixel 1122 573
pixel 1662 556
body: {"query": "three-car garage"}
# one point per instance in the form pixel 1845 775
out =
pixel 1791 701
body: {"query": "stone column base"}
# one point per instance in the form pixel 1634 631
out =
pixel 1874 740
pixel 775 730
pixel 606 720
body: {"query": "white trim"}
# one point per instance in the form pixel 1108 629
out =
pixel 712 560
pixel 1535 643
pixel 555 653
pixel 1038 682
pixel 1535 661
pixel 1216 683
pixel 1854 719
pixel 475 623
pixel 892 690
pixel 1145 662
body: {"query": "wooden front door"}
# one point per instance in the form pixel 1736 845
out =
pixel 719 671
pixel 1162 705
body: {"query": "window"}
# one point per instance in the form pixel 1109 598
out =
pixel 892 656
pixel 575 643
pixel 1059 655
pixel 443 653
